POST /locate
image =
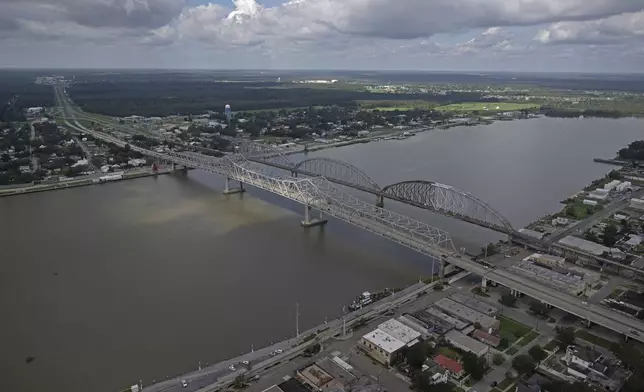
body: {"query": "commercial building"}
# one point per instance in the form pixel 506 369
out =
pixel 466 343
pixel 385 342
pixel 559 221
pixel 599 194
pixel 465 313
pixel 547 260
pixel 584 245
pixel 327 374
pixel 438 317
pixel 612 185
pixel 588 202
pixel 290 385
pixel 475 304
pixel 624 186
pixel 532 233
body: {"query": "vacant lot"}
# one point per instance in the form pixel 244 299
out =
pixel 487 106
pixel 511 331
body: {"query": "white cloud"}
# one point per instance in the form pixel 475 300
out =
pixel 611 30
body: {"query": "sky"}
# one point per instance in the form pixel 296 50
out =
pixel 435 35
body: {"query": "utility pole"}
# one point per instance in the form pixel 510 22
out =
pixel 344 321
pixel 297 319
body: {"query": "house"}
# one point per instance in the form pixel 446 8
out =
pixel 487 338
pixel 583 360
pixel 449 364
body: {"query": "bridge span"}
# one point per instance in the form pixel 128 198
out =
pixel 320 194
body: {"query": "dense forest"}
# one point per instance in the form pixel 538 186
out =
pixel 634 151
pixel 192 97
pixel 18 91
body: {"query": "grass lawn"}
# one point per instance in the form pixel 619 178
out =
pixel 532 335
pixel 512 330
pixel 491 106
pixel 396 105
pixel 505 383
pixel 594 339
pixel 512 350
pixel 495 390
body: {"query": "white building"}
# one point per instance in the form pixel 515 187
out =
pixel 634 240
pixel 590 202
pixel 612 185
pixel 581 360
pixel 549 260
pixel 387 340
pixel 599 194
pixel 624 186
pixel 559 221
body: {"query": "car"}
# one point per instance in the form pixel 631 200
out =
pixel 184 383
pixel 232 368
pixel 246 363
pixel 279 351
pixel 584 303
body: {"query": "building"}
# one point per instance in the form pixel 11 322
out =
pixel 612 185
pixel 634 240
pixel 313 377
pixel 599 194
pixel 290 385
pixel 624 186
pixel 532 233
pixel 584 245
pixel 559 221
pixel 490 340
pixel 449 364
pixel 637 204
pixel 384 344
pixel 399 331
pixel 438 322
pixel 580 359
pixel 547 260
pixel 465 313
pixel 475 304
pixel 589 202
pixel 466 343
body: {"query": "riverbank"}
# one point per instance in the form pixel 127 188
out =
pixel 75 183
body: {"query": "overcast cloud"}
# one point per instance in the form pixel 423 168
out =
pixel 531 35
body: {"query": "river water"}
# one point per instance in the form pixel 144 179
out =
pixel 142 279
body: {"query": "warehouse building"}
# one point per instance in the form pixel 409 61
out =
pixel 466 314
pixel 475 304
pixel 466 343
pixel 385 342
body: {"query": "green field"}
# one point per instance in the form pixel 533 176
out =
pixel 594 339
pixel 511 330
pixel 490 106
pixel 532 335
pixel 383 105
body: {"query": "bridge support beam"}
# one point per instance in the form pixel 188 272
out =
pixel 380 202
pixel 231 191
pixel 311 222
pixel 484 285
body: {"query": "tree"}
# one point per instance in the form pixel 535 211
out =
pixel 539 308
pixel 478 325
pixel 565 336
pixel 498 359
pixel 615 175
pixel 508 300
pixel 490 249
pixel 610 235
pixel 523 364
pixel 474 366
pixel 417 354
pixel 590 236
pixel 537 353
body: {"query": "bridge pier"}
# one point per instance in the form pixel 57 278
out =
pixel 484 285
pixel 311 222
pixel 380 202
pixel 231 191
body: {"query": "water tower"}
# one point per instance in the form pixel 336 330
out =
pixel 228 113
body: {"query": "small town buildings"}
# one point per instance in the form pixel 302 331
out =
pixel 386 341
pixel 449 364
pixel 489 339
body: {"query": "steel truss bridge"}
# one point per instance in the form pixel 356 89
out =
pixel 319 192
pixel 438 198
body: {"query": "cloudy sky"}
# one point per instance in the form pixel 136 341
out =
pixel 510 35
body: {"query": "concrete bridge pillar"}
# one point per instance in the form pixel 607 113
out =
pixel 441 270
pixel 380 202
pixel 294 174
pixel 310 222
pixel 174 166
pixel 484 285
pixel 231 191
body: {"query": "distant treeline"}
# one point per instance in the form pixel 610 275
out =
pixel 187 97
pixel 28 93
pixel 565 113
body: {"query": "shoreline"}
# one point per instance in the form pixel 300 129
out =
pixel 76 183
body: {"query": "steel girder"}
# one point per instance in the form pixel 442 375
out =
pixel 339 170
pixel 263 152
pixel 448 200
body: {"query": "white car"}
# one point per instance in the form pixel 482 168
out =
pixel 246 363
pixel 279 351
pixel 232 368
pixel 184 383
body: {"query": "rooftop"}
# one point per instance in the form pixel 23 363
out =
pixel 448 363
pixel 475 304
pixel 466 341
pixel 433 313
pixel 399 331
pixel 384 341
pixel 465 313
pixel 584 245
